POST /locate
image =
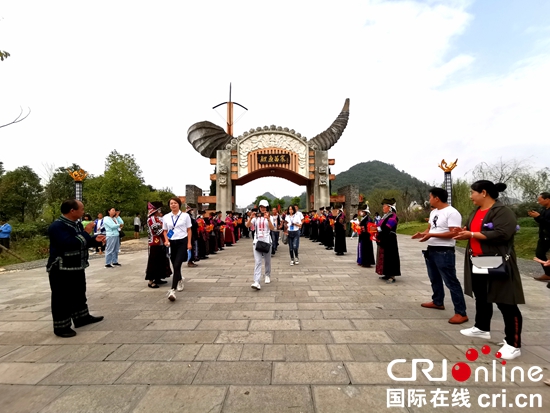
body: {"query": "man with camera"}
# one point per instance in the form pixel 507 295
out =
pixel 262 242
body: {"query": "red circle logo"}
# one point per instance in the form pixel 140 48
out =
pixel 461 371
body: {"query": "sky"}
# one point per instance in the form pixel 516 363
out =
pixel 427 80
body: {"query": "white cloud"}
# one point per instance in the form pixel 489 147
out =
pixel 133 76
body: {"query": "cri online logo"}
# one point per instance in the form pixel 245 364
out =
pixel 461 371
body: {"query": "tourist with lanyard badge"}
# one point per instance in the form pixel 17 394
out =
pixel 262 236
pixel 177 238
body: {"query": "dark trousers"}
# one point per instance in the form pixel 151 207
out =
pixel 5 242
pixel 543 245
pixel 68 297
pixel 441 269
pixel 513 320
pixel 274 241
pixel 178 255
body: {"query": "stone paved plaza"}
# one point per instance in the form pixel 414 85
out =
pixel 317 339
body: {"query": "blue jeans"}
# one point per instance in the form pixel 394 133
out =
pixel 441 269
pixel 111 251
pixel 293 243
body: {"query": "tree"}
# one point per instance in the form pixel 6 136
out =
pixel 276 202
pixel 18 118
pixel 122 184
pixel 296 201
pixel 256 202
pixel 162 195
pixel 2 170
pixel 531 184
pixel 20 193
pixel 3 55
pixel 59 187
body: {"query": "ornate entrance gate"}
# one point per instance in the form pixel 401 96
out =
pixel 269 151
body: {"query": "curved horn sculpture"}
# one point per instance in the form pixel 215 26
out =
pixel 326 140
pixel 207 137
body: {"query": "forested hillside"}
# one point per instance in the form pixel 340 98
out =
pixel 372 175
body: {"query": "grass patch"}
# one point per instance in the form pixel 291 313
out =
pixel 31 249
pixel 525 242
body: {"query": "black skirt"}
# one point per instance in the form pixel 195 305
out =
pixel 158 264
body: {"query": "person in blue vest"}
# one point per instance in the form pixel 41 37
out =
pixel 5 234
pixel 69 243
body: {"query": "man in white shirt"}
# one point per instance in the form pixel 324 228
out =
pixel 263 227
pixel 440 255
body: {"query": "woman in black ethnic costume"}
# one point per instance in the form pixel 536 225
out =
pixel 69 243
pixel 387 263
pixel 340 233
pixel 158 265
pixel 365 251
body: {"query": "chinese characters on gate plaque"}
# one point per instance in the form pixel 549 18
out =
pixel 274 158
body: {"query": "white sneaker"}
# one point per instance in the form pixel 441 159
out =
pixel 291 262
pixel 172 295
pixel 256 285
pixel 267 279
pixel 507 352
pixel 180 285
pixel 476 332
pixel 296 262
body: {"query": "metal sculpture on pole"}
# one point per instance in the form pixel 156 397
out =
pixel 447 168
pixel 78 176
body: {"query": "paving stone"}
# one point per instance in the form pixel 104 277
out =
pixel 187 352
pixel 259 337
pixel 361 337
pixel 274 325
pixel 372 325
pixel 302 337
pixel 242 372
pixel 205 315
pixel 339 352
pixel 274 352
pixel 376 373
pixel 351 399
pixel 173 325
pixel 87 373
pixel 318 352
pixel 252 352
pixel 223 325
pixel 251 315
pixel 156 352
pixel 100 352
pixel 298 314
pixel 27 338
pixel 182 399
pixel 153 372
pixel 319 306
pixel 159 315
pixel 188 337
pixel 27 399
pixel 276 306
pixel 26 373
pixel 419 337
pixel 296 352
pixel 112 399
pixel 25 325
pixel 209 352
pixel 123 352
pixel 269 399
pixel 309 373
pixel 231 352
pixel 129 337
pixel 362 352
pixel 334 324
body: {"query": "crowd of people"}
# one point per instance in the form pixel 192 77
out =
pixel 183 237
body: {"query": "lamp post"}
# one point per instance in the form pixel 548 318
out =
pixel 78 176
pixel 448 182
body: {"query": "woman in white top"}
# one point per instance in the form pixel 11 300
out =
pixel 263 226
pixel 177 237
pixel 294 223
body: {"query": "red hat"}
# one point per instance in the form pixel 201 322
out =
pixel 151 209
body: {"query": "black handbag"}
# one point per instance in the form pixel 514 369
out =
pixel 121 234
pixel 263 246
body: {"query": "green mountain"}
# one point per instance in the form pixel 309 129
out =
pixel 372 175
